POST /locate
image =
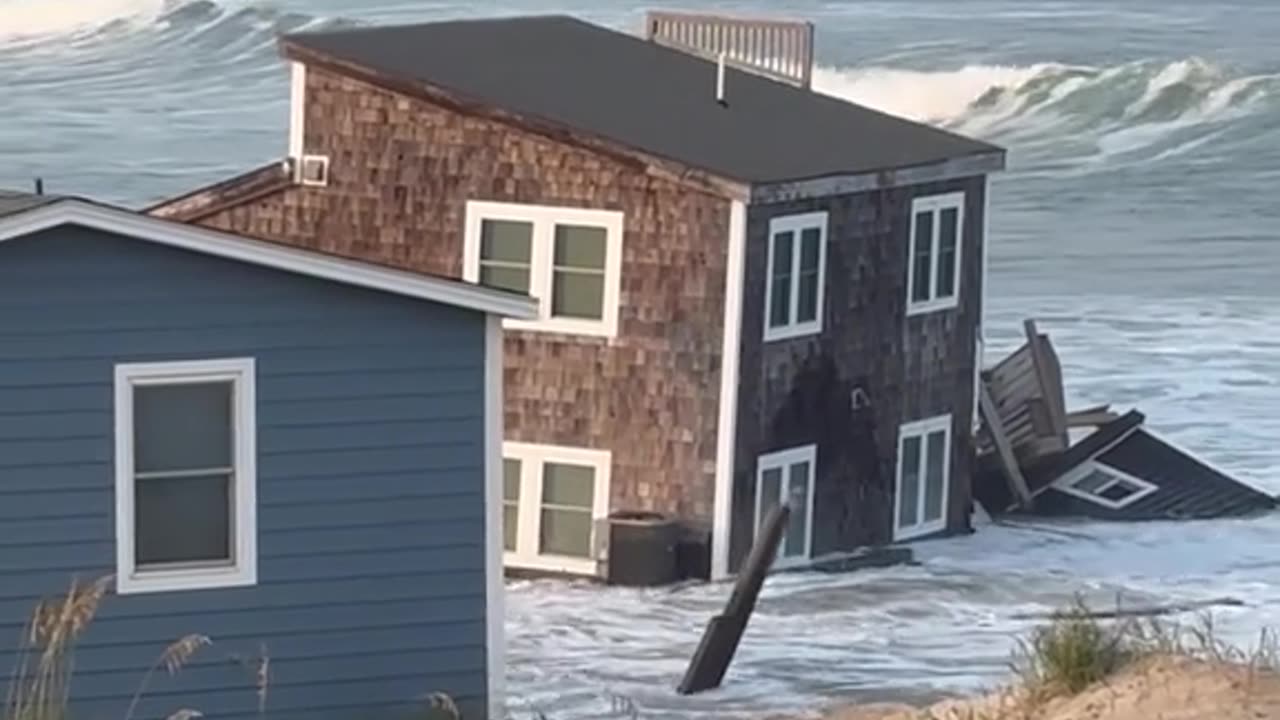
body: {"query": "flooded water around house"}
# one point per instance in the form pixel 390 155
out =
pixel 1138 222
pixel 950 624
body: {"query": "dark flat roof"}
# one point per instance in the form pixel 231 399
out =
pixel 12 203
pixel 643 95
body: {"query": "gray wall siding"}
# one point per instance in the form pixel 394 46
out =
pixel 797 392
pixel 371 587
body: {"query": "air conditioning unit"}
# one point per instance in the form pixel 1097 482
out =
pixel 313 170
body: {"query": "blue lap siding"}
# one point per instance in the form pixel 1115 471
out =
pixel 370 431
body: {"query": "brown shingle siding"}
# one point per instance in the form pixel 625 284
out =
pixel 401 171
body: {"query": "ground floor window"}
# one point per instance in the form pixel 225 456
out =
pixel 553 498
pixel 1104 485
pixel 185 475
pixel 787 476
pixel 923 481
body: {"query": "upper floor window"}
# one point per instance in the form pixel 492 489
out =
pixel 569 259
pixel 185 475
pixel 795 275
pixel 933 271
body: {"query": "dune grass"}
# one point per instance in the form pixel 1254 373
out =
pixel 40 684
pixel 1077 649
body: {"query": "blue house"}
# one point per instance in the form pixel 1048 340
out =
pixel 294 454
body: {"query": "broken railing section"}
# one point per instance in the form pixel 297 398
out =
pixel 1023 407
pixel 724 631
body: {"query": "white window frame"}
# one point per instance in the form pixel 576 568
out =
pixel 935 204
pixel 783 460
pixel 529 510
pixel 796 224
pixel 1067 482
pixel 922 429
pixel 243 570
pixel 544 219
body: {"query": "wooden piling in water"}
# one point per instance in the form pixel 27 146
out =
pixel 720 640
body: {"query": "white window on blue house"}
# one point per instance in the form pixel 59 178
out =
pixel 923 484
pixel 569 259
pixel 185 475
pixel 934 254
pixel 553 501
pixel 796 272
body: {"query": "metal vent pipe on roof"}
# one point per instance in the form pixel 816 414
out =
pixel 720 72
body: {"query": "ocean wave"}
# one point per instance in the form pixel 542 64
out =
pixel 39 19
pixel 80 24
pixel 1136 106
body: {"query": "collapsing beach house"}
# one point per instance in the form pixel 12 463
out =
pixel 749 292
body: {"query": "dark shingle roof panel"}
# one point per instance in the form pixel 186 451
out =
pixel 645 96
pixel 12 203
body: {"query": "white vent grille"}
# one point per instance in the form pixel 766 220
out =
pixel 780 49
pixel 314 170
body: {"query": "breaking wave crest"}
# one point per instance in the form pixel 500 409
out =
pixel 80 24
pixel 1143 105
pixel 30 19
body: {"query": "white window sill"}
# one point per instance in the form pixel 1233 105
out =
pixel 151 581
pixel 552 564
pixel 790 332
pixel 791 563
pixel 932 306
pixel 917 531
pixel 588 328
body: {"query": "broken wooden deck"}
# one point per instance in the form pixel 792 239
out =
pixel 1121 470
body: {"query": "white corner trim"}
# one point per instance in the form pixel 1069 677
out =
pixel 544 219
pixel 272 255
pixel 243 570
pixel 297 114
pixel 981 340
pixel 532 457
pixel 727 423
pixel 921 429
pixel 1067 481
pixel 985 254
pixel 495 588
pixel 796 224
pixel 783 460
pixel 935 204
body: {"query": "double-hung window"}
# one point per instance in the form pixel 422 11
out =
pixel 935 250
pixel 569 259
pixel 787 477
pixel 796 275
pixel 553 498
pixel 922 490
pixel 185 475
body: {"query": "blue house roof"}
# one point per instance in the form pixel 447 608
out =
pixel 22 214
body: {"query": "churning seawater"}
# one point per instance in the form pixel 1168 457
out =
pixel 1138 222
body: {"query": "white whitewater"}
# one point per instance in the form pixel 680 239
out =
pixel 35 18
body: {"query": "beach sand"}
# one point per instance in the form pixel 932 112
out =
pixel 1160 688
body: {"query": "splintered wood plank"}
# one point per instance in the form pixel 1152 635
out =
pixel 1013 473
pixel 1091 417
pixel 1050 380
